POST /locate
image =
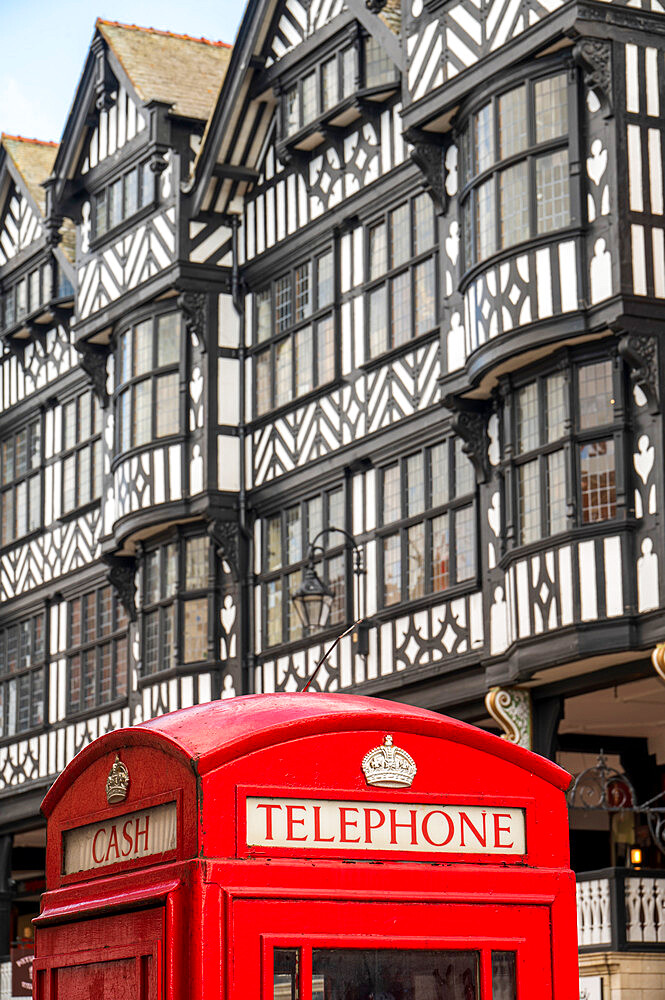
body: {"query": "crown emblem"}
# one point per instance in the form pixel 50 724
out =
pixel 117 783
pixel 389 766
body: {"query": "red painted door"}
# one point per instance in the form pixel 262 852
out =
pixel 307 950
pixel 108 958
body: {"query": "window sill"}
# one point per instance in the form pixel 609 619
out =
pixel 102 709
pixel 150 445
pixel 270 415
pixel 533 243
pixel 571 536
pixel 394 352
pixel 22 539
pixel 338 119
pixel 98 242
pixel 180 670
pixel 80 511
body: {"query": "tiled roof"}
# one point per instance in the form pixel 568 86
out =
pixel 392 15
pixel 34 161
pixel 174 69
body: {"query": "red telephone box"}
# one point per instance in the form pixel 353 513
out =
pixel 306 847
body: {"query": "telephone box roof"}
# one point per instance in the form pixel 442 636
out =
pixel 217 732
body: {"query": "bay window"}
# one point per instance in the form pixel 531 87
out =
pixel 515 167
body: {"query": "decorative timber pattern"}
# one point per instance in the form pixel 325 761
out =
pixel 127 263
pixel 371 401
pixel 42 363
pixel 539 592
pixel 441 46
pixel 61 549
pixel 151 478
pixel 115 127
pixel 532 286
pixel 428 638
pixel 210 243
pixel 297 20
pixel 287 200
pixel 645 67
pixel 20 227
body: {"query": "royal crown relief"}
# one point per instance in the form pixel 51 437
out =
pixel 388 766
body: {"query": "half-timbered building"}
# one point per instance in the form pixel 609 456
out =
pixel 391 268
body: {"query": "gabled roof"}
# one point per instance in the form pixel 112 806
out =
pixel 34 161
pixel 173 69
pixel 31 163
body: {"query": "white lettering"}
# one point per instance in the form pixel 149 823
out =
pixel 385 826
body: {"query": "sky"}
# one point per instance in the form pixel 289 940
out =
pixel 44 43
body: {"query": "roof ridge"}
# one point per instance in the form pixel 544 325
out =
pixel 167 34
pixel 23 138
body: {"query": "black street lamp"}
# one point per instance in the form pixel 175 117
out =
pixel 313 598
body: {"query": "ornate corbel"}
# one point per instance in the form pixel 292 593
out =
pixel 104 81
pixel 226 539
pixel 122 577
pixel 511 708
pixel 469 421
pixel 194 310
pixel 92 358
pixel 429 157
pixel 594 56
pixel 640 352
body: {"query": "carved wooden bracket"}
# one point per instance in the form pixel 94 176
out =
pixel 122 577
pixel 92 358
pixel 429 157
pixel 511 708
pixel 640 352
pixel 594 56
pixel 226 538
pixel 194 309
pixel 470 423
pixel 104 81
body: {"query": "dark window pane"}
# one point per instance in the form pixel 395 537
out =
pixel 597 481
pixel 465 543
pixel 484 139
pixel 303 278
pixel 142 416
pixel 378 321
pixel 196 563
pixel 392 570
pixel 512 122
pixel 556 407
pixel 309 101
pixel 529 502
pixel 425 296
pixel 293 534
pixel 142 348
pixel 440 553
pixel 285 973
pixel 168 339
pixel 415 484
pixel 292 110
pixel 303 360
pixel 465 479
pixel 330 83
pixel 325 350
pixel 195 644
pixel 378 251
pixel 274 543
pixel 423 223
pixel 514 205
pixel 325 285
pixel 400 309
pixel 439 477
pixel 263 382
pixel 400 235
pixel 504 979
pixel 379 67
pixel 349 72
pixel 596 396
pixel 335 579
pixel 283 313
pixel 485 220
pixel 392 506
pixel 336 518
pixel 556 492
pixel 551 96
pixel 283 372
pixel 355 974
pixel 415 567
pixel 552 198
pixel 527 418
pixel 263 315
pixel 273 596
pixel 167 402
